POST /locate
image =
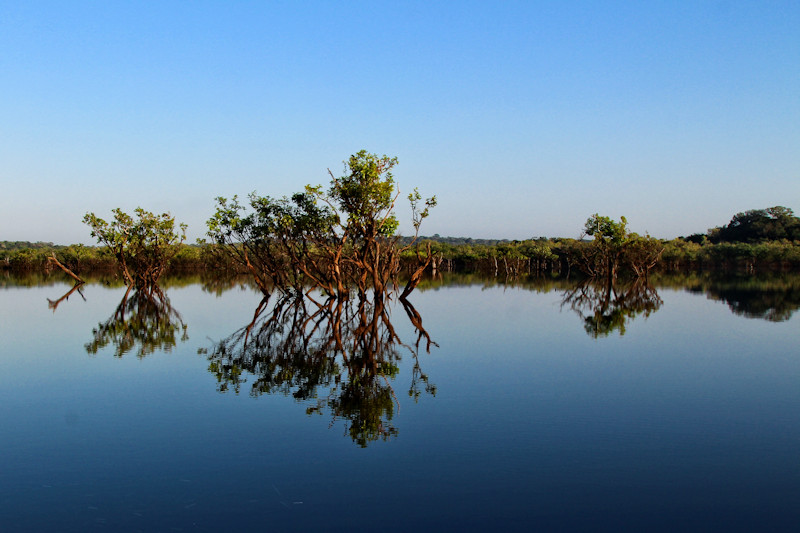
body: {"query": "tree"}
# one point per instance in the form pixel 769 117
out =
pixel 755 225
pixel 280 242
pixel 642 254
pixel 143 246
pixel 614 247
pixel 335 239
pixel 539 252
pixel 610 238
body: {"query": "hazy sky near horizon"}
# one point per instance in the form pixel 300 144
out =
pixel 523 118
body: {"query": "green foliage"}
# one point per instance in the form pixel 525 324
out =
pixel 333 239
pixel 309 238
pixel 773 223
pixel 273 235
pixel 538 250
pixel 143 246
pixel 679 253
pixel 610 238
pixel 419 215
pixel 27 259
pixel 366 193
pixel 642 253
pixel 614 247
pixel 11 246
pixel 606 231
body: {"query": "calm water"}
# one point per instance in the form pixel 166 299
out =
pixel 530 411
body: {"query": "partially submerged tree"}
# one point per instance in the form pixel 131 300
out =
pixel 143 246
pixel 642 254
pixel 610 239
pixel 614 247
pixel 336 239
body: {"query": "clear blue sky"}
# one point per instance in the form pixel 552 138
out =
pixel 524 118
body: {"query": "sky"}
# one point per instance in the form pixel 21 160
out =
pixel 523 118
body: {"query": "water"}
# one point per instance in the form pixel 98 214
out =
pixel 533 415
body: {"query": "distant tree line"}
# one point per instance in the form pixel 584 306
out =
pixel 760 239
pixel 759 225
pixel 763 238
pixel 25 245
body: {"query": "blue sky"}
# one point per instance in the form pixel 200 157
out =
pixel 523 118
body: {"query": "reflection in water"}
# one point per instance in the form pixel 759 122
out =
pixel 606 307
pixel 53 304
pixel 143 321
pixel 339 355
pixel 772 304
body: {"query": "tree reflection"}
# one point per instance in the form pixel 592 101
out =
pixel 144 322
pixel 53 304
pixel 340 355
pixel 774 305
pixel 606 307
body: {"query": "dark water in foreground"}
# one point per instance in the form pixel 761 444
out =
pixel 532 413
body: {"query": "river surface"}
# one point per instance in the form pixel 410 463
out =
pixel 481 406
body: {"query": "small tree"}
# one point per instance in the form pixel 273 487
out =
pixel 143 246
pixel 610 238
pixel 614 247
pixel 642 254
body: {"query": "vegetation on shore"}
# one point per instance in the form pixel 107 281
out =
pixel 541 255
pixel 345 237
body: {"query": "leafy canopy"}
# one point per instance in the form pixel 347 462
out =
pixel 606 231
pixel 143 245
pixel 333 239
pixel 755 225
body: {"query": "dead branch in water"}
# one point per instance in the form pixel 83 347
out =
pixel 70 273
